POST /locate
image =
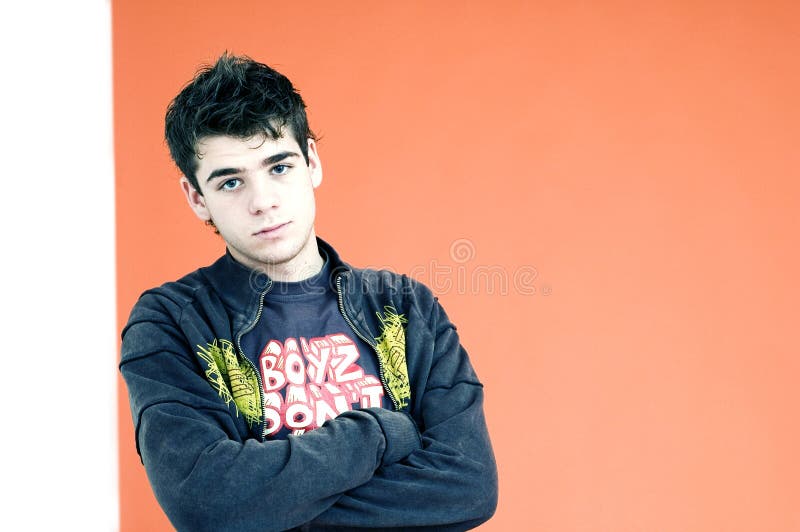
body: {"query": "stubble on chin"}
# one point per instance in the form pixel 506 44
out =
pixel 294 263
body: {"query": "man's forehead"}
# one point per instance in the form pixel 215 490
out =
pixel 214 143
pixel 220 155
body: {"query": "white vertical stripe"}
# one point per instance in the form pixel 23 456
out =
pixel 58 326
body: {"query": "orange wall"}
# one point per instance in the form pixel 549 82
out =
pixel 642 159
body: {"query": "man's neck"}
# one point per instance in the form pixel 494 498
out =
pixel 300 269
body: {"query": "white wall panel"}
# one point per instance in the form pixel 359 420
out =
pixel 58 332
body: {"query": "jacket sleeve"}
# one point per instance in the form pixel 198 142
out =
pixel 205 474
pixel 451 482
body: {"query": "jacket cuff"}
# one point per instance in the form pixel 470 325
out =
pixel 400 431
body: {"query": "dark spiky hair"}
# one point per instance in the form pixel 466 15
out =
pixel 238 97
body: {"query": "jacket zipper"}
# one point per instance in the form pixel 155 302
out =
pixel 371 343
pixel 255 369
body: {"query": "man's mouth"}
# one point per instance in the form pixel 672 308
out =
pixel 271 230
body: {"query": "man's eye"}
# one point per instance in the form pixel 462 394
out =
pixel 280 169
pixel 230 184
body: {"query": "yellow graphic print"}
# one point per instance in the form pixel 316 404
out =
pixel 391 349
pixel 233 382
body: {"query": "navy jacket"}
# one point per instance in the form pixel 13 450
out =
pixel 199 421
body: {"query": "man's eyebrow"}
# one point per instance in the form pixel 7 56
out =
pixel 272 159
pixel 223 172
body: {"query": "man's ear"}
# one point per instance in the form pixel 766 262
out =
pixel 196 200
pixel 314 164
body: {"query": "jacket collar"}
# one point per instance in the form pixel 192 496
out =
pixel 240 287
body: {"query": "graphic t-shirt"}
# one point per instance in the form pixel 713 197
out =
pixel 313 365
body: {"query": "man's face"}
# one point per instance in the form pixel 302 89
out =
pixel 259 193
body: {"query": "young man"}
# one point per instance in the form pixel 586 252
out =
pixel 280 387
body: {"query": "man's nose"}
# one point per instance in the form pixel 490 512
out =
pixel 263 196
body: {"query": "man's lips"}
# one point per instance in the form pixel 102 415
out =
pixel 271 229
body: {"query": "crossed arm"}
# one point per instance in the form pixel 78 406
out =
pixel 369 468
